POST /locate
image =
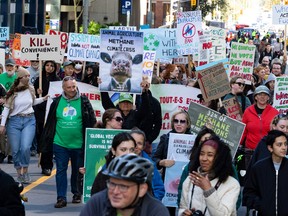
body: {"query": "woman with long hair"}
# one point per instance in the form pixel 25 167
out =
pixel 18 116
pixel 210 187
pixel 123 143
pixel 111 119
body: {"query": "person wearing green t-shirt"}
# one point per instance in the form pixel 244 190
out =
pixel 64 132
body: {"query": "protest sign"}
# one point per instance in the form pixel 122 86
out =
pixel 280 99
pixel 224 61
pixel 83 47
pixel 228 129
pixel 16 51
pixel 148 65
pixel 205 51
pixel 63 38
pixel 179 148
pixel 121 61
pixel 92 93
pixel 218 36
pixel 232 107
pixel 2 56
pixel 97 145
pixel 242 61
pixel 173 98
pixel 181 60
pixel 279 14
pixel 123 28
pixel 4 33
pixel 213 82
pixel 41 47
pixel 188 25
pixel 161 40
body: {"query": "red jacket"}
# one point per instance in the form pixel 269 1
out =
pixel 257 126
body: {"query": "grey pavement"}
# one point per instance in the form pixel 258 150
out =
pixel 42 193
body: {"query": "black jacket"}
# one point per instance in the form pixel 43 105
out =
pixel 260 188
pixel 47 137
pixel 10 201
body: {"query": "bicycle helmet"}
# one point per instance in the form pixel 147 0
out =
pixel 130 167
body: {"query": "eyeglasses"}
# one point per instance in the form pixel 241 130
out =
pixel 118 119
pixel 240 84
pixel 122 188
pixel 177 121
pixel 279 117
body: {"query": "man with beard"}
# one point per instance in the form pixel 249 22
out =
pixel 7 79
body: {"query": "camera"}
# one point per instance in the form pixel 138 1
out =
pixel 197 213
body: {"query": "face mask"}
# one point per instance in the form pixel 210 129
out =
pixel 78 66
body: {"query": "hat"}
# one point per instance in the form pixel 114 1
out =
pixel 68 63
pixel 21 72
pixel 125 97
pixel 261 89
pixel 10 61
pixel 271 77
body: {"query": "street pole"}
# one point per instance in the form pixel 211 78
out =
pixel 85 16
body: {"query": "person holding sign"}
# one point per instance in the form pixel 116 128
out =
pixel 210 188
pixel 21 124
pixel 257 118
pixel 128 185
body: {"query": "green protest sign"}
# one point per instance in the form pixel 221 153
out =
pixel 226 128
pixel 97 145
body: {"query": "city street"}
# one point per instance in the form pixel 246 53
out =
pixel 41 193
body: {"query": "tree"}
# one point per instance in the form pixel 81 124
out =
pixel 76 5
pixel 94 27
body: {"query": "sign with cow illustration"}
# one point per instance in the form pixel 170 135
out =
pixel 121 58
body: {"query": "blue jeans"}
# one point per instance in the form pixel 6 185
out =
pixel 62 156
pixel 21 132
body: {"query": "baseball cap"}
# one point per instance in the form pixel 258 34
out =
pixel 10 61
pixel 68 63
pixel 125 97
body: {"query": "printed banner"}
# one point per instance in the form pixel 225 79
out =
pixel 97 145
pixel 161 40
pixel 173 98
pixel 148 65
pixel 280 100
pixel 213 82
pixel 41 47
pixel 121 60
pixel 242 61
pixel 279 14
pixel 188 25
pixel 179 148
pixel 228 129
pixel 92 93
pixel 83 47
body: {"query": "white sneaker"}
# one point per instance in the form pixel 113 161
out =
pixel 20 178
pixel 26 178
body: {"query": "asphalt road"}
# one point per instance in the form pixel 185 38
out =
pixel 41 193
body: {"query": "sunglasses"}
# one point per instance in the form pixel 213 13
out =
pixel 177 121
pixel 66 78
pixel 118 119
pixel 240 84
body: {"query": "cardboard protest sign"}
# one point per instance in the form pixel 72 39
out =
pixel 179 148
pixel 242 61
pixel 218 36
pixel 161 40
pixel 279 14
pixel 16 51
pixel 232 107
pixel 4 33
pixel 83 47
pixel 188 25
pixel 148 65
pixel 63 38
pixel 121 61
pixel 92 92
pixel 41 47
pixel 213 82
pixel 173 98
pixel 97 145
pixel 280 99
pixel 225 127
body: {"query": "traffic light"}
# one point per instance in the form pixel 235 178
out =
pixel 193 2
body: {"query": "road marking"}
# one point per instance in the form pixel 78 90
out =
pixel 37 182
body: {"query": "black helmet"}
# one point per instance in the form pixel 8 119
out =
pixel 130 167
